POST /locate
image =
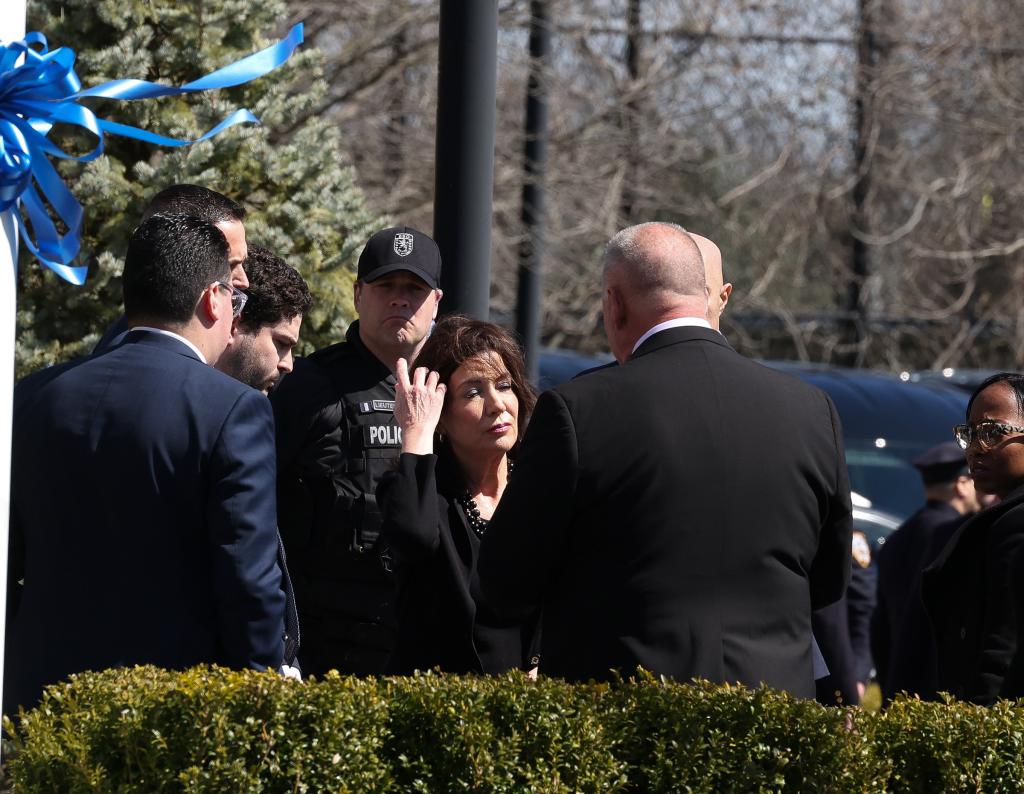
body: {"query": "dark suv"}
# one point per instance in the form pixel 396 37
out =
pixel 887 422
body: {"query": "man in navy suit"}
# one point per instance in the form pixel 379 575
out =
pixel 143 512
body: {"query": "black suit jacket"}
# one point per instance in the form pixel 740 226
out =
pixel 143 518
pixel 684 512
pixel 968 592
pixel 435 553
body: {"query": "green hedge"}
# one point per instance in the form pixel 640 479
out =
pixel 210 729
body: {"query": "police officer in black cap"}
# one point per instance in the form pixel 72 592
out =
pixel 900 634
pixel 336 436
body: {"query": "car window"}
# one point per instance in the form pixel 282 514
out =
pixel 885 476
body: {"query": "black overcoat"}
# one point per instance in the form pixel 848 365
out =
pixel 901 640
pixel 968 594
pixel 684 511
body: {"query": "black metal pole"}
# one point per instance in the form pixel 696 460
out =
pixel 531 249
pixel 631 114
pixel 464 176
pixel 854 297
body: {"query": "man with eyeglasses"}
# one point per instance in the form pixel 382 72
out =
pixel 901 641
pixel 156 541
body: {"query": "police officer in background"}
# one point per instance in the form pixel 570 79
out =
pixel 901 637
pixel 336 436
pixel 842 633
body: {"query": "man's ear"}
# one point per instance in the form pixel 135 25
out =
pixel 210 309
pixel 724 295
pixel 437 305
pixel 616 307
pixel 357 290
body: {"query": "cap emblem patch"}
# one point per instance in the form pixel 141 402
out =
pixel 403 244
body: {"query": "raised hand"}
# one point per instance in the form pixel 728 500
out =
pixel 418 403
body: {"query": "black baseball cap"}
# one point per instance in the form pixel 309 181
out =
pixel 400 248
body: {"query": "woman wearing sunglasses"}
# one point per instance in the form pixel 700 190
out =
pixel 969 589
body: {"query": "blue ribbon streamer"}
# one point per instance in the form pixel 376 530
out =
pixel 44 91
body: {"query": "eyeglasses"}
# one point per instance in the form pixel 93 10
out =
pixel 238 298
pixel 987 433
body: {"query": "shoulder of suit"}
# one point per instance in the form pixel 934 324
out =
pixel 33 386
pixel 813 399
pixel 786 379
pixel 40 376
pixel 592 380
pixel 1007 517
pixel 216 382
pixel 592 370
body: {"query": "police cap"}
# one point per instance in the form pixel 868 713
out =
pixel 942 463
pixel 400 248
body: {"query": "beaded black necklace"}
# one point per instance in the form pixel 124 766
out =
pixel 477 523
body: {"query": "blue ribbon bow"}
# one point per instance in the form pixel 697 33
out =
pixel 43 91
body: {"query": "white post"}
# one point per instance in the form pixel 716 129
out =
pixel 12 28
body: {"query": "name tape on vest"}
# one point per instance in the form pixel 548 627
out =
pixel 374 406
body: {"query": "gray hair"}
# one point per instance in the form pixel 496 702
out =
pixel 658 257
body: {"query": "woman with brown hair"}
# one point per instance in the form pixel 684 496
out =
pixel 462 409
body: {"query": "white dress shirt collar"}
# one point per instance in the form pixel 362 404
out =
pixel 675 322
pixel 173 335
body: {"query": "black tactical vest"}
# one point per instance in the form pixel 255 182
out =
pixel 337 436
pixel 371 441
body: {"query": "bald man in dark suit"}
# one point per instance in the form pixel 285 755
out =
pixel 684 511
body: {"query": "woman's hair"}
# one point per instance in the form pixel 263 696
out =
pixel 1014 380
pixel 457 338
